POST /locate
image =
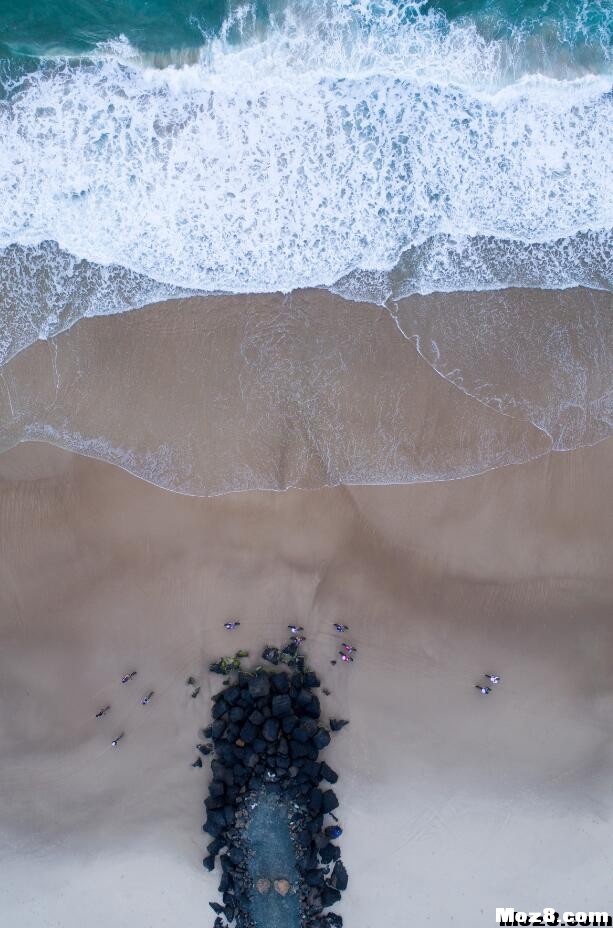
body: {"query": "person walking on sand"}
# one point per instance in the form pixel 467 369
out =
pixel 340 628
pixel 485 690
pixel 146 698
pixel 117 739
pixel 346 657
pixel 129 676
pixel 231 625
pixel 298 639
pixel 349 648
pixel 493 678
pixel 102 712
pixel 294 629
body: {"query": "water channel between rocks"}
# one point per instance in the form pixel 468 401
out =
pixel 271 856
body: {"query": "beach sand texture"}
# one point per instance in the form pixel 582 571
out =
pixel 452 804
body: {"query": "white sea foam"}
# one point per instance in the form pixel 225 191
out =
pixel 320 148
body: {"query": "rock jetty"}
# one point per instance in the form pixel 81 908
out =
pixel 266 735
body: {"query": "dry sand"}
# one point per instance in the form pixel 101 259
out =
pixel 452 803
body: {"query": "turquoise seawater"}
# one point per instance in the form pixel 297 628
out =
pixel 52 27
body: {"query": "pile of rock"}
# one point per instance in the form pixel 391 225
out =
pixel 266 735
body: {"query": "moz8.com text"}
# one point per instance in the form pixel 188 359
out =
pixel 510 916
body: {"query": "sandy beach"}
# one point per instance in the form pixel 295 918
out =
pixel 452 804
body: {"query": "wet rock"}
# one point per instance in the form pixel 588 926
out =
pixel 263 886
pixel 232 695
pixel 321 739
pixel 328 853
pixel 340 878
pixel 209 863
pixel 279 682
pixel 270 729
pixel 220 708
pixel 259 685
pixel 332 920
pixel 329 801
pixel 197 762
pixel 281 706
pixel 217 908
pixel 236 714
pixel 256 718
pixel 236 855
pixel 327 773
pixel 314 877
pixel 204 749
pixel 329 896
pixel 288 724
pixel 310 680
pixel 337 724
pixel 282 887
pixel 248 732
pixel 217 729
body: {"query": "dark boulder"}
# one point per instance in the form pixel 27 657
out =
pixel 315 801
pixel 215 822
pixel 281 705
pixel 328 853
pixel 217 908
pixel 209 863
pixel 214 802
pixel 314 877
pixel 280 682
pixel 204 749
pixel 270 729
pixel 332 920
pixel 321 739
pixel 236 854
pixel 340 877
pixel 259 685
pixel 329 801
pixel 197 762
pixel 214 847
pixel 248 732
pixel 220 708
pixel 288 723
pixel 337 724
pixel 217 729
pixel 327 773
pixel 310 680
pixel 216 788
pixel 232 695
pixel 207 732
pixel 333 831
pixel 236 714
pixel 329 896
pixel 256 717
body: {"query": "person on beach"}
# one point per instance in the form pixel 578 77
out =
pixel 117 740
pixel 298 639
pixel 346 657
pixel 231 625
pixel 146 698
pixel 486 690
pixel 195 693
pixel 340 628
pixel 493 678
pixel 128 676
pixel 333 831
pixel 102 712
pixel 349 648
pixel 294 629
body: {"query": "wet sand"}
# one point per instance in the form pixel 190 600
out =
pixel 451 803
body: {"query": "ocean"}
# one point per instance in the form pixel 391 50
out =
pixel 384 152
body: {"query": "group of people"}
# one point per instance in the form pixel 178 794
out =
pixel 494 679
pixel 127 677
